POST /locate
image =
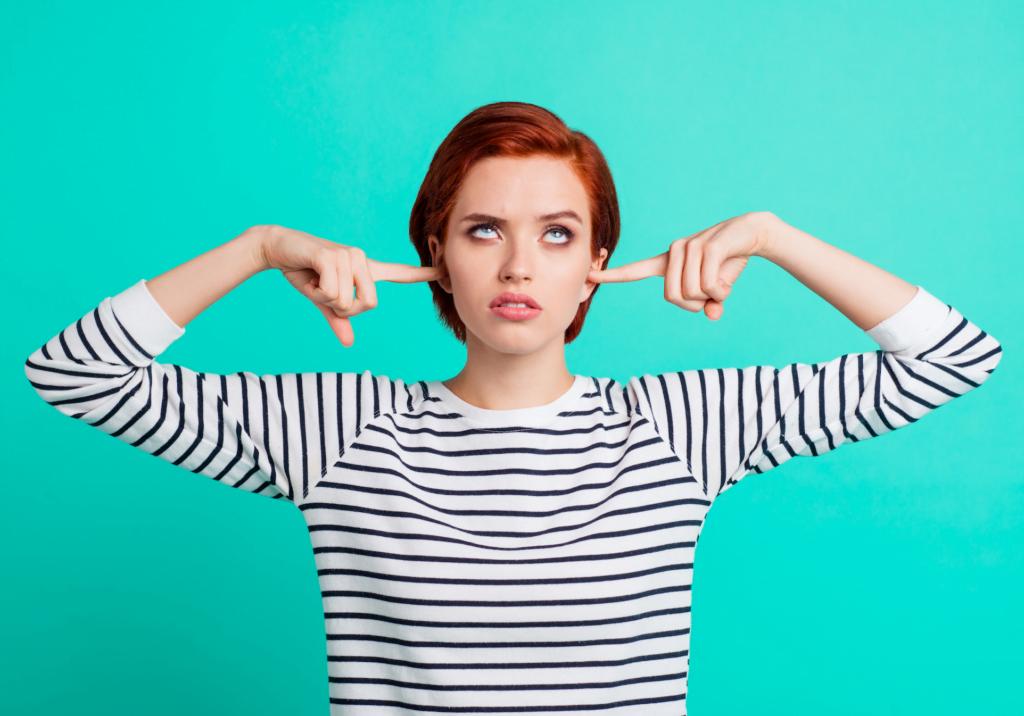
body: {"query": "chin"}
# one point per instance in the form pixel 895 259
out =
pixel 516 341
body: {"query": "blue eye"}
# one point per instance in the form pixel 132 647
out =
pixel 559 234
pixel 483 227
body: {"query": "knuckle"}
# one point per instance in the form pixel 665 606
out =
pixel 324 256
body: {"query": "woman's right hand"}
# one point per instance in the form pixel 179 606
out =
pixel 326 272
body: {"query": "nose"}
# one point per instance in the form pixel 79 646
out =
pixel 518 264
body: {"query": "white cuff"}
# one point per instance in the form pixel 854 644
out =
pixel 912 325
pixel 144 319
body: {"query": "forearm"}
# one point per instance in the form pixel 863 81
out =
pixel 863 292
pixel 189 289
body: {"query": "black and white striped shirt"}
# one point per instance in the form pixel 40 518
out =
pixel 520 561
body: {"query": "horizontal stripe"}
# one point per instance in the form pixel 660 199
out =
pixel 506 625
pixel 506 644
pixel 514 513
pixel 496 533
pixel 504 604
pixel 328 527
pixel 501 582
pixel 474 666
pixel 482 560
pixel 505 709
pixel 511 687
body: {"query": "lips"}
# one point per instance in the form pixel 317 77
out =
pixel 514 306
pixel 513 298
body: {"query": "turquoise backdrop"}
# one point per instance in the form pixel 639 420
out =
pixel 882 578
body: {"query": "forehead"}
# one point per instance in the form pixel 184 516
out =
pixel 505 186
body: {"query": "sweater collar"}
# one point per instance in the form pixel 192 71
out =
pixel 524 417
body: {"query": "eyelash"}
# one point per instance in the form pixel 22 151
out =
pixel 569 233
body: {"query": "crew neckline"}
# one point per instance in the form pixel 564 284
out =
pixel 525 417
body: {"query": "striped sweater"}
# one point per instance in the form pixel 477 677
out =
pixel 536 560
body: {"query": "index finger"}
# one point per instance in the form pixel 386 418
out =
pixel 403 273
pixel 654 266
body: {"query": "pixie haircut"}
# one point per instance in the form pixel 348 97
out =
pixel 510 129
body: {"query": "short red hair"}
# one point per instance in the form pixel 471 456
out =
pixel 510 129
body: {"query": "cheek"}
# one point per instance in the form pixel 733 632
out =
pixel 467 278
pixel 571 274
pixel 564 285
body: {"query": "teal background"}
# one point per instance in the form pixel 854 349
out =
pixel 882 578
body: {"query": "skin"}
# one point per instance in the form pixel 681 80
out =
pixel 519 364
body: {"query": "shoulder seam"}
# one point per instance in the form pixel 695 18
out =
pixel 388 406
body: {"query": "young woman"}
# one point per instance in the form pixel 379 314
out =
pixel 516 538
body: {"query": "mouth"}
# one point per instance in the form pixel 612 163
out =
pixel 514 306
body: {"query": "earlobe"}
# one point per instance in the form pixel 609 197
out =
pixel 595 265
pixel 437 259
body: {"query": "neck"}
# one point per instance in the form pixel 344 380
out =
pixel 494 380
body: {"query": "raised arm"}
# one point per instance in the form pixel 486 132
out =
pixel 323 271
pixel 728 422
pixel 700 269
pixel 271 435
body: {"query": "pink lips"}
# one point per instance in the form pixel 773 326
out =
pixel 530 309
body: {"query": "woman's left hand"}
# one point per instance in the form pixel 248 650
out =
pixel 701 269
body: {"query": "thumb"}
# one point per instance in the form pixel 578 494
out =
pixel 713 309
pixel 342 327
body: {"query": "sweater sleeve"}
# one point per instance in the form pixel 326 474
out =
pixel 273 435
pixel 727 423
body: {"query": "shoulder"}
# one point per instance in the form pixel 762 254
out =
pixel 610 396
pixel 382 395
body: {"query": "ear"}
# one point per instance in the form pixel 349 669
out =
pixel 437 259
pixel 589 286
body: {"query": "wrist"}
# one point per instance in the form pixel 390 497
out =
pixel 256 242
pixel 771 235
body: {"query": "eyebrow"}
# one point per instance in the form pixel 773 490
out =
pixel 567 214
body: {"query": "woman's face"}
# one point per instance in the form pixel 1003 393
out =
pixel 517 252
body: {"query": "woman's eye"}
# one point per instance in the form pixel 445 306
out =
pixel 557 236
pixel 490 229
